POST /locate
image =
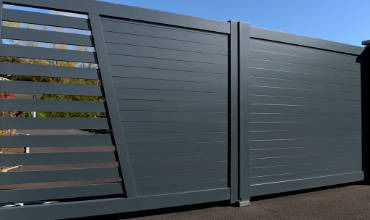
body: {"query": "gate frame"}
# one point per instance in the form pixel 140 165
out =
pixel 244 38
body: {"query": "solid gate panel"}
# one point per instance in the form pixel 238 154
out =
pixel 303 112
pixel 172 87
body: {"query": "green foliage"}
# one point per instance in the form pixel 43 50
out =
pixel 55 80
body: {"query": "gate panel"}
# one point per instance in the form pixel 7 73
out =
pixel 52 110
pixel 172 89
pixel 302 110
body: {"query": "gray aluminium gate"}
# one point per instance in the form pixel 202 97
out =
pixel 165 82
pixel 175 110
pixel 300 112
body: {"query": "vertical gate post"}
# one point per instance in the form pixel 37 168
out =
pixel 111 102
pixel 234 111
pixel 1 18
pixel 365 94
pixel 244 38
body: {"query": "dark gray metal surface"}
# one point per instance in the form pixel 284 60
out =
pixel 60 172
pixel 200 111
pixel 57 140
pixel 150 64
pixel 61 192
pixel 112 205
pixel 57 158
pixel 47 53
pixel 244 109
pixel 58 175
pixel 48 36
pixel 52 106
pixel 364 60
pixel 113 109
pixel 45 19
pixel 22 69
pixel 303 112
pixel 234 113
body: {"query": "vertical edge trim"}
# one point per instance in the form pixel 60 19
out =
pixel 112 106
pixel 244 167
pixel 363 59
pixel 234 111
pixel 1 20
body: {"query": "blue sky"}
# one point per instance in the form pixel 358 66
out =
pixel 346 21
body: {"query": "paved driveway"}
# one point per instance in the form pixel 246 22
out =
pixel 347 203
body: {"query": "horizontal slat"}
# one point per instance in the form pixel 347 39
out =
pixel 304 41
pixel 47 53
pixel 281 117
pixel 51 106
pixel 291 151
pixel 161 31
pixel 308 158
pixel 174 127
pixel 141 171
pixel 306 93
pixel 143 105
pixel 175 75
pixel 330 108
pixel 170 85
pixel 45 19
pixel 305 61
pixel 324 125
pixel 46 36
pixel 66 5
pixel 58 175
pixel 56 140
pixel 184 96
pixel 317 77
pixel 45 70
pixel 56 158
pixel 303 135
pixel 176 137
pixel 22 195
pixel 121 60
pixel 343 162
pixel 183 178
pixel 160 53
pixel 146 41
pixel 303 101
pixel 176 188
pixel 323 179
pixel 168 159
pixel 24 87
pixel 174 116
pixel 282 152
pixel 301 51
pixel 54 123
pixel 295 68
pixel 148 148
pixel 314 87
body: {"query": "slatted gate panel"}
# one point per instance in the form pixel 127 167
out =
pixel 53 157
pixel 302 110
pixel 172 90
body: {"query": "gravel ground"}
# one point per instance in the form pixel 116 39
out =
pixel 347 202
